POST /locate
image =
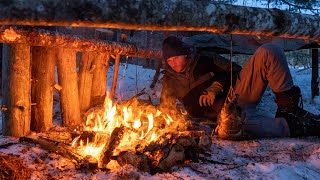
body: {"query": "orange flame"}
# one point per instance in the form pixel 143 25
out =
pixel 144 124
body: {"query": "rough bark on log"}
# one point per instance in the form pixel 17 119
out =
pixel 68 79
pixel 175 156
pixel 173 15
pixel 43 80
pixel 115 76
pixel 85 80
pixel 107 152
pixel 64 150
pixel 55 39
pixel 16 89
pixel 140 161
pixel 99 81
pixel 64 137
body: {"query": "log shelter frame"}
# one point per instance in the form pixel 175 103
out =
pixel 169 16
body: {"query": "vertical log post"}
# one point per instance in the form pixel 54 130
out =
pixel 115 76
pixel 16 89
pixel 43 80
pixel 85 80
pixel 99 81
pixel 69 96
pixel 315 74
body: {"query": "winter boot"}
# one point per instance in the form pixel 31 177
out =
pixel 301 122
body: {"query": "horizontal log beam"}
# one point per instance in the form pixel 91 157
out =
pixel 170 15
pixel 54 39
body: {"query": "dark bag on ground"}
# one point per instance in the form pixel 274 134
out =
pixel 230 119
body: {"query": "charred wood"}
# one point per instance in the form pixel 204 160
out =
pixel 140 161
pixel 110 145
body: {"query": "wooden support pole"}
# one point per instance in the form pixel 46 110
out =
pixel 16 89
pixel 115 76
pixel 85 80
pixel 315 74
pixel 99 82
pixel 68 79
pixel 43 80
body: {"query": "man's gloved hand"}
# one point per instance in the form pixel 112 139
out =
pixel 209 95
pixel 207 98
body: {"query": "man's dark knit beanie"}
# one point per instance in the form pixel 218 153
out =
pixel 173 46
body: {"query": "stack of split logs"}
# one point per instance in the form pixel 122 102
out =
pixel 29 61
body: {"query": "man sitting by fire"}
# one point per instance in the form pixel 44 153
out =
pixel 201 84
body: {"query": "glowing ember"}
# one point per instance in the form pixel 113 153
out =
pixel 144 124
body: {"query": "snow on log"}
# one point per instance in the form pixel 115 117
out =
pixel 174 15
pixel 55 39
pixel 16 77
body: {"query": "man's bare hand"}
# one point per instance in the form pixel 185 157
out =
pixel 207 99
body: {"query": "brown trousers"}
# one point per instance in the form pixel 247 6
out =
pixel 268 65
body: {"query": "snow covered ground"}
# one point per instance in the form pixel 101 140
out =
pixel 285 158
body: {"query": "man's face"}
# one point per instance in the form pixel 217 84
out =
pixel 178 63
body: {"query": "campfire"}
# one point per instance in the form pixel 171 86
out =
pixel 133 132
pixel 138 134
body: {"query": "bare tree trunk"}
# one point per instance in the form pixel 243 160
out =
pixel 43 80
pixel 178 15
pixel 99 82
pixel 16 89
pixel 69 96
pixel 85 80
pixel 315 74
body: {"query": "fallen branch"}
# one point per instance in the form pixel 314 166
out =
pixel 7 145
pixel 67 151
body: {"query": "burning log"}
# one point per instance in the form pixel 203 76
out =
pixel 114 141
pixel 68 79
pixel 67 151
pixel 167 151
pixel 16 73
pixel 43 80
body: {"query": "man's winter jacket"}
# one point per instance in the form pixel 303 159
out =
pixel 201 72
